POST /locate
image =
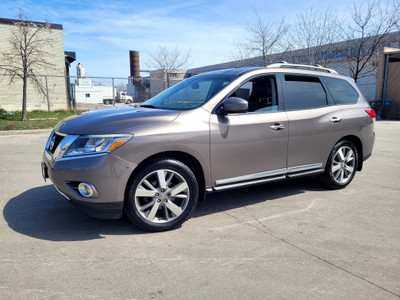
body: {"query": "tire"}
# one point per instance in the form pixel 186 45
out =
pixel 341 166
pixel 128 102
pixel 162 196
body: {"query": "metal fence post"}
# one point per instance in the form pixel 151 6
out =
pixel 113 91
pixel 385 79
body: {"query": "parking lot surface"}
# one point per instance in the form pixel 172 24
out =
pixel 287 240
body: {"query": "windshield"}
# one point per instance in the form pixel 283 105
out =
pixel 190 93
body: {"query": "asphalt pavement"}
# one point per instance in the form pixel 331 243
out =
pixel 286 240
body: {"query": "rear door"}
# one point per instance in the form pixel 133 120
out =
pixel 253 145
pixel 315 123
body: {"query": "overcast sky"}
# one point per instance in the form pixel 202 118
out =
pixel 102 32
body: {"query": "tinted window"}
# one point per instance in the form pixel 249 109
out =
pixel 303 92
pixel 341 91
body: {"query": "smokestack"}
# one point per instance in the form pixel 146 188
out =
pixel 135 63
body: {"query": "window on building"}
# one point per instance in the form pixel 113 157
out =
pixel 87 95
pixel 303 92
pixel 341 91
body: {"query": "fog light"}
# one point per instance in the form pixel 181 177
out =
pixel 86 189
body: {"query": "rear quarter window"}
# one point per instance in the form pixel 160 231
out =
pixel 341 91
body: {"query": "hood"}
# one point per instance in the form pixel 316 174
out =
pixel 121 119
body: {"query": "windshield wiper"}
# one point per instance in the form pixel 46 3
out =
pixel 148 106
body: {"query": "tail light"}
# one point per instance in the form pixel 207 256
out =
pixel 371 113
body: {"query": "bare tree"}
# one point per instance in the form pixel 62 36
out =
pixel 26 59
pixel 242 56
pixel 168 60
pixel 314 33
pixel 371 26
pixel 266 37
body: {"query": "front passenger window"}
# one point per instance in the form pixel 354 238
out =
pixel 260 93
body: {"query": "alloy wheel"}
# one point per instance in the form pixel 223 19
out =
pixel 343 165
pixel 161 196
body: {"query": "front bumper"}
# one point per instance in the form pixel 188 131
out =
pixel 108 174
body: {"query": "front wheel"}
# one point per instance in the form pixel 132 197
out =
pixel 162 195
pixel 341 166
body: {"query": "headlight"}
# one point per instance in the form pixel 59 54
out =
pixel 95 144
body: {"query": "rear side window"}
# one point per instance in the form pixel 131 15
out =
pixel 341 91
pixel 303 92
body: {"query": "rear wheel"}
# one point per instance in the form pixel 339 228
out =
pixel 162 196
pixel 341 166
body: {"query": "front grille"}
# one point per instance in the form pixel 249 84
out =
pixel 55 140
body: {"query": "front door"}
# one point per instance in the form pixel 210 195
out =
pixel 253 145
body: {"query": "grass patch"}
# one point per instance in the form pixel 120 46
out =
pixel 35 119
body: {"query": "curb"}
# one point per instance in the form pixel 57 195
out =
pixel 27 131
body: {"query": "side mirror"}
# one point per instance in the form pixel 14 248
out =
pixel 234 105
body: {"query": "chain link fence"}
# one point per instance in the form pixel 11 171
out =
pixel 71 92
pixel 66 92
pixel 107 90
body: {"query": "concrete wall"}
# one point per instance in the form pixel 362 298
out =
pixel 11 94
pixel 158 80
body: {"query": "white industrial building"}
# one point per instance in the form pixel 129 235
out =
pixel 87 92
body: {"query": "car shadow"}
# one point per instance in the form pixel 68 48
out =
pixel 43 213
pixel 231 199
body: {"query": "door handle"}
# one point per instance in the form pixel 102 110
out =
pixel 335 119
pixel 277 126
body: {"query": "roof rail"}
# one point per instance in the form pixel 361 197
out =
pixel 285 64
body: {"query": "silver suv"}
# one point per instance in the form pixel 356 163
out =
pixel 215 131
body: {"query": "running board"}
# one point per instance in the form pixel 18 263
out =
pixel 248 183
pixel 305 173
pixel 265 180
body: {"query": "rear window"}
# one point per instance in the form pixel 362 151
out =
pixel 303 92
pixel 341 91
